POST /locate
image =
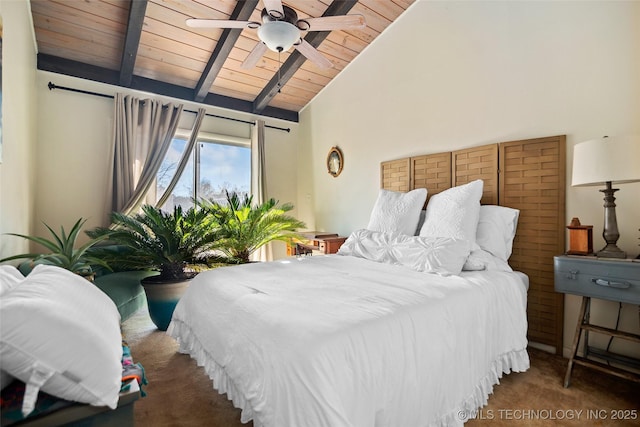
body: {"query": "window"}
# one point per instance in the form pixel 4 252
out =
pixel 217 164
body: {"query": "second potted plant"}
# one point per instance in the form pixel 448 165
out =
pixel 244 227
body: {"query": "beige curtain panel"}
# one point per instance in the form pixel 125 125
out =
pixel 143 130
pixel 259 181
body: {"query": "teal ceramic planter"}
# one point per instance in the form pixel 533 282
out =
pixel 162 298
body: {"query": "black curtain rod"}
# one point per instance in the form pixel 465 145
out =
pixel 86 92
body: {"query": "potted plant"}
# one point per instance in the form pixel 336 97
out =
pixel 173 243
pixel 245 227
pixel 63 251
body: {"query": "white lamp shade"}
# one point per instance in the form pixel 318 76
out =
pixel 279 36
pixel 615 159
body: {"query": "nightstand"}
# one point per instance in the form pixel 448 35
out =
pixel 318 241
pixel 604 278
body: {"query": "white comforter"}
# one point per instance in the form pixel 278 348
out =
pixel 343 341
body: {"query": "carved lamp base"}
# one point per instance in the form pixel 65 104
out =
pixel 610 231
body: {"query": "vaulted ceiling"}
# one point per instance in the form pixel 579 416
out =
pixel 146 45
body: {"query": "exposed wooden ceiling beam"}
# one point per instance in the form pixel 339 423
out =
pixel 296 59
pixel 242 12
pixel 81 70
pixel 137 10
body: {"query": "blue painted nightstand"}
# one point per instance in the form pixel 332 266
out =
pixel 604 278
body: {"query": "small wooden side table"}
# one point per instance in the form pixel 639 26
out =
pixel 605 278
pixel 318 241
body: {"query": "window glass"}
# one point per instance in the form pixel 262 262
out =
pixel 223 167
pixel 216 166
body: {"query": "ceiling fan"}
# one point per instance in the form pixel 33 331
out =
pixel 281 29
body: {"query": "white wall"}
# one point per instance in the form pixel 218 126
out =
pixel 449 75
pixel 19 117
pixel 75 136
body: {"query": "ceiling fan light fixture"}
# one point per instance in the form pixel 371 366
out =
pixel 279 36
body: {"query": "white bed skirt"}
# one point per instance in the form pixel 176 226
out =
pixel 514 361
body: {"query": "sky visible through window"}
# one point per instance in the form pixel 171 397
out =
pixel 222 167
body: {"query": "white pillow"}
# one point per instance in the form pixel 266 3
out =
pixel 496 230
pixel 397 212
pixel 61 334
pixel 454 212
pixel 479 259
pixel 441 255
pixel 10 277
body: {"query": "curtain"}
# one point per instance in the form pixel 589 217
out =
pixel 143 130
pixel 185 157
pixel 259 181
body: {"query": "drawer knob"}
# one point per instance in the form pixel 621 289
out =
pixel 611 283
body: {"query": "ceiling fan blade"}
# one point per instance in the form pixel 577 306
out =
pixel 313 55
pixel 254 56
pixel 274 8
pixel 216 23
pixel 329 23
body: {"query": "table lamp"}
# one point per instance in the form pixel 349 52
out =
pixel 607 161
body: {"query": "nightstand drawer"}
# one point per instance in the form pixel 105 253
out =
pixel 598 278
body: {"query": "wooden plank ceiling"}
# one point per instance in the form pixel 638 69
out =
pixel 146 45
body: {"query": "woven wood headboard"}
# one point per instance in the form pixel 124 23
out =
pixel 528 175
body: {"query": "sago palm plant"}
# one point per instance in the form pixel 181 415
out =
pixel 164 241
pixel 245 227
pixel 63 251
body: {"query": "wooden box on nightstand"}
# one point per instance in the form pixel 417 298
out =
pixel 580 238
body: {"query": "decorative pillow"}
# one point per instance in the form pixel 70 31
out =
pixel 61 334
pixel 454 212
pixel 496 230
pixel 397 212
pixel 440 255
pixel 10 277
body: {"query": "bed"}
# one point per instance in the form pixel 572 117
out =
pixel 404 326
